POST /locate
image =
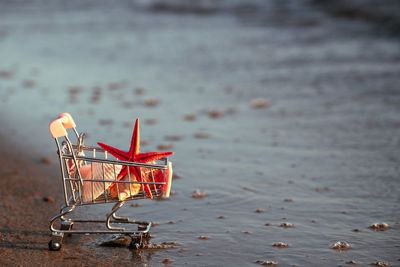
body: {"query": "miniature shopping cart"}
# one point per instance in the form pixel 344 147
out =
pixel 89 177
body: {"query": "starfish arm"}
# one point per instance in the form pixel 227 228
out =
pixel 134 171
pixel 135 142
pixel 135 156
pixel 119 154
pixel 150 156
pixel 122 173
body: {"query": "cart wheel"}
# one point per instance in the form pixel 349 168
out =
pixel 54 246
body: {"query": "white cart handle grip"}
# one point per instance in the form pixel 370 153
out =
pixel 58 127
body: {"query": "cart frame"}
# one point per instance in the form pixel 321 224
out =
pixel 73 182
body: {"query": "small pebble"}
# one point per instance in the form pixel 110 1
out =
pixel 267 224
pixel 29 83
pixel 135 205
pixel 379 226
pixel 106 122
pixel 267 263
pixel 281 245
pixel 114 86
pixel 322 189
pixel 356 230
pixel 203 237
pixel 221 217
pixel 259 211
pixel 150 121
pixel 288 200
pixel 6 74
pixel 202 135
pixel 199 194
pixel 248 189
pixel 139 91
pixel 381 264
pixel 260 103
pixel 144 142
pixel 166 261
pixel 341 245
pixel 189 117
pixel 48 199
pixel 118 241
pixel 95 95
pixel 164 146
pixel 152 102
pixel 246 232
pixel 351 262
pixel 46 160
pixel 74 90
pixel 287 225
pixel 173 138
pixel 171 222
pixel 215 114
pixel 176 176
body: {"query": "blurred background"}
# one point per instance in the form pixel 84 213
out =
pixel 280 111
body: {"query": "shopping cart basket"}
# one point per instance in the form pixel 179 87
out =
pixel 88 175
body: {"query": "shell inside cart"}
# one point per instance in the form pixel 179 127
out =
pixel 90 176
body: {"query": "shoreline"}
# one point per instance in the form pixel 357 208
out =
pixel 24 182
pixel 24 232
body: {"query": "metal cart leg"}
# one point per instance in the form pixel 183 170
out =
pixel 120 218
pixel 116 207
pixel 60 216
pixel 66 224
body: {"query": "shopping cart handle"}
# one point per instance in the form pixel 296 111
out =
pixel 58 127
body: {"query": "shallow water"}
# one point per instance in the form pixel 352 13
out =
pixel 323 156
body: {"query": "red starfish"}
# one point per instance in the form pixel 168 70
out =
pixel 135 156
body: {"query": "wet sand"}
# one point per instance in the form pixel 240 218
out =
pixel 284 122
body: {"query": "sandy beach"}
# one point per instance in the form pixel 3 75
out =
pixel 283 116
